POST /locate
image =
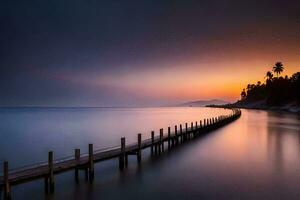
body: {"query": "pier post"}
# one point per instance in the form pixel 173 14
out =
pixel 176 135
pixel 77 160
pixel 161 133
pixel 200 125
pixel 139 151
pixel 169 137
pixel 180 132
pixel 173 141
pixel 196 129
pixel 122 156
pixel 186 132
pixel 91 163
pixel 51 171
pixel 155 147
pixel 192 130
pixel 7 192
pixel 158 144
pixel 152 143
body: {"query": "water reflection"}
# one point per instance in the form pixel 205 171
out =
pixel 31 132
pixel 256 157
pixel 283 139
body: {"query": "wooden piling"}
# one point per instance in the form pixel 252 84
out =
pixel 139 150
pixel 196 128
pixel 77 159
pixel 173 141
pixel 122 156
pixel 156 148
pixel 158 144
pixel 91 163
pixel 152 143
pixel 176 135
pixel 51 172
pixel 180 132
pixel 7 192
pixel 161 133
pixel 169 137
pixel 186 132
pixel 192 130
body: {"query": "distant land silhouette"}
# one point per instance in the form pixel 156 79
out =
pixel 202 103
pixel 277 93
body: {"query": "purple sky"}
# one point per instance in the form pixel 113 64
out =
pixel 137 53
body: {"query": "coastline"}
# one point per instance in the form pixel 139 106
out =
pixel 291 107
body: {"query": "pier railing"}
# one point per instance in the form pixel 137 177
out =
pixel 85 162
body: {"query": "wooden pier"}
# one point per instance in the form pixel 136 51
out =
pixel 86 162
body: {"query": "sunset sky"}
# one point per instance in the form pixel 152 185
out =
pixel 141 53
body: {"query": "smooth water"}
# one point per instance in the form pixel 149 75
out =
pixel 255 157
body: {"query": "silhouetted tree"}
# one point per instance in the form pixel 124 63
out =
pixel 258 83
pixel 243 95
pixel 278 68
pixel 276 91
pixel 269 75
pixel 295 77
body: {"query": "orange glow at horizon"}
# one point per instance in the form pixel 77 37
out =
pixel 195 81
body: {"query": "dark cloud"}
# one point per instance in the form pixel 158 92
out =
pixel 82 37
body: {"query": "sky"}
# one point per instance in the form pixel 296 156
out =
pixel 141 53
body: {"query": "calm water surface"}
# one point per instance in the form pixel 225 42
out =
pixel 255 157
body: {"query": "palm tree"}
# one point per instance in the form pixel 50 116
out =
pixel 258 83
pixel 243 95
pixel 269 75
pixel 278 68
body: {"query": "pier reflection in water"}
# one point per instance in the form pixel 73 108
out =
pixel 256 157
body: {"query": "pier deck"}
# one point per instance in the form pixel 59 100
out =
pixel 86 162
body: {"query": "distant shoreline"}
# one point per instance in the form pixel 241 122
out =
pixel 291 108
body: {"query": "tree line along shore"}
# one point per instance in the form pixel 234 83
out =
pixel 275 93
